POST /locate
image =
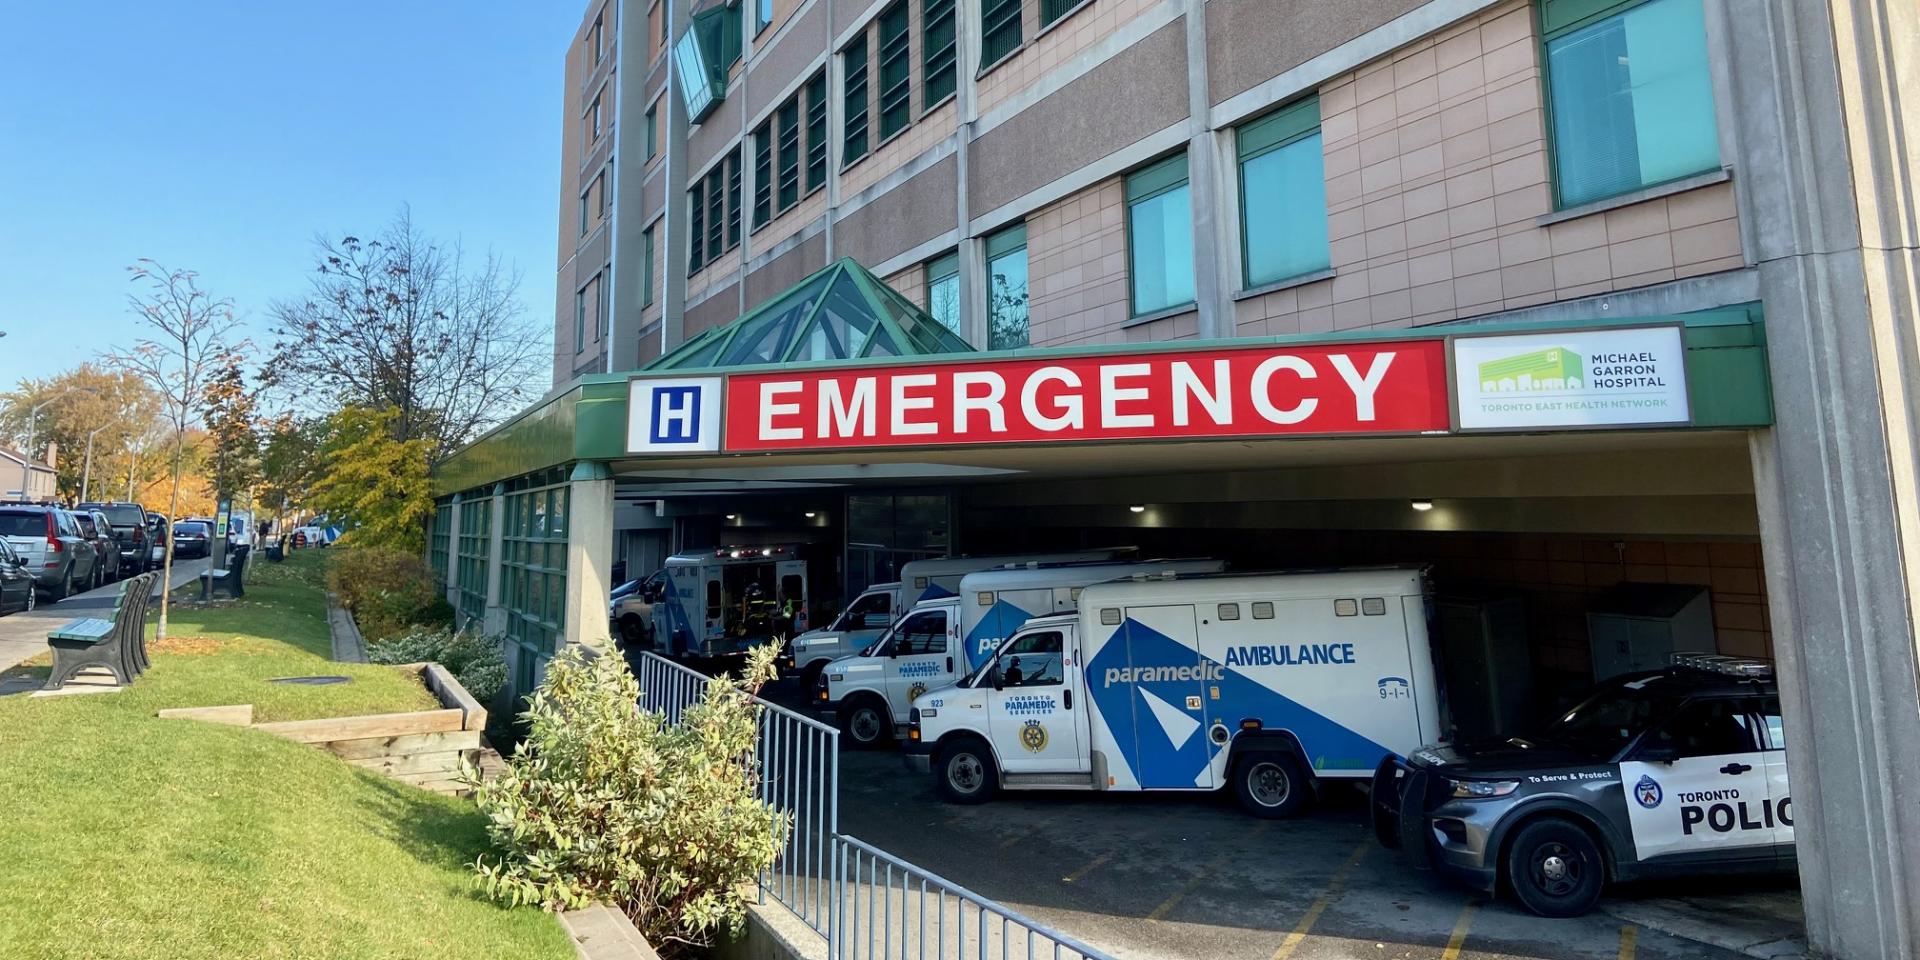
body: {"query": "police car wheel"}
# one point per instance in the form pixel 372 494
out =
pixel 1271 785
pixel 867 723
pixel 1555 869
pixel 964 772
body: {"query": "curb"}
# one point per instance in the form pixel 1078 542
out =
pixel 348 647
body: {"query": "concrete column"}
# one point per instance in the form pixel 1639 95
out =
pixel 495 622
pixel 453 555
pixel 672 239
pixel 1826 99
pixel 589 554
pixel 1211 289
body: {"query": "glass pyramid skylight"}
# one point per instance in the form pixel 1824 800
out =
pixel 840 313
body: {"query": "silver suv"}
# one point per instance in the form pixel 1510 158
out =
pixel 50 545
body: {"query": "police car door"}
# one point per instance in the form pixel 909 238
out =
pixel 1696 787
pixel 920 658
pixel 1031 713
pixel 1775 735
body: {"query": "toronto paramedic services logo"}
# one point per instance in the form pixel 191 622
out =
pixel 673 416
pixel 1647 792
pixel 1033 736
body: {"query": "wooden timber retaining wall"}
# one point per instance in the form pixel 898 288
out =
pixel 424 748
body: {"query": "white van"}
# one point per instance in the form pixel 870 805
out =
pixel 943 638
pixel 1263 683
pixel 880 604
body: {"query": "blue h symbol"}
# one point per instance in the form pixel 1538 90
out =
pixel 676 414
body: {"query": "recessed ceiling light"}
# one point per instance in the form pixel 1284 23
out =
pixel 1138 508
pixel 811 514
pixel 733 516
pixel 1423 505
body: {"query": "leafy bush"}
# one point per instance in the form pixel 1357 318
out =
pixel 387 590
pixel 608 802
pixel 473 660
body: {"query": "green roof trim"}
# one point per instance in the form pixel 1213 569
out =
pixel 842 312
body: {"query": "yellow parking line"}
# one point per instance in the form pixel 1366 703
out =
pixel 1097 863
pixel 1166 906
pixel 1629 940
pixel 1334 886
pixel 1460 931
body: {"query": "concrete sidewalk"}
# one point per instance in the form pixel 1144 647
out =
pixel 23 635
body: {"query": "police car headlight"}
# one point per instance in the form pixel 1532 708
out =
pixel 1483 789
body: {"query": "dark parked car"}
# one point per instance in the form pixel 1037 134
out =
pixel 157 537
pixel 129 522
pixel 192 538
pixel 17 588
pixel 48 539
pixel 106 551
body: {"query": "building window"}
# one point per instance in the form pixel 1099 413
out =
pixel 593 122
pixel 475 541
pixel 1007 289
pixel 533 574
pixel 733 198
pixel 1630 95
pixel 601 313
pixel 696 226
pixel 854 137
pixel 943 290
pixel 1051 10
pixel 817 131
pixel 598 39
pixel 789 117
pixel 705 56
pixel 999 30
pixel 666 28
pixel 579 320
pixel 1283 195
pixel 585 206
pixel 603 195
pixel 938 52
pixel 763 174
pixel 896 72
pixel 646 267
pixel 653 131
pixel 762 15
pixel 716 211
pixel 1160 236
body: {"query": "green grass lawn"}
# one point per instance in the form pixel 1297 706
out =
pixel 126 836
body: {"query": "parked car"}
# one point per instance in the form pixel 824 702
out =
pixel 157 536
pixel 129 522
pixel 192 538
pixel 106 550
pixel 48 539
pixel 17 589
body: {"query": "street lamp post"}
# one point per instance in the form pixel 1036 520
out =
pixel 86 472
pixel 33 416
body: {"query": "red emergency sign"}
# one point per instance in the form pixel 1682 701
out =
pixel 1275 390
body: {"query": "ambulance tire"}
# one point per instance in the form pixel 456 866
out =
pixel 964 771
pixel 1271 784
pixel 634 632
pixel 1554 868
pixel 867 722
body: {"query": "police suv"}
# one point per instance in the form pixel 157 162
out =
pixel 1677 771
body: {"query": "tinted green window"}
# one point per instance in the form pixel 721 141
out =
pixel 854 58
pixel 896 72
pixel 1051 10
pixel 1007 289
pixel 716 211
pixel 1632 100
pixel 999 30
pixel 733 198
pixel 696 227
pixel 937 51
pixel 817 131
pixel 789 153
pixel 1160 236
pixel 1283 195
pixel 943 290
pixel 579 320
pixel 646 267
pixel 653 134
pixel 762 14
pixel 763 174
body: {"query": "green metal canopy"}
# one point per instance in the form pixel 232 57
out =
pixel 840 313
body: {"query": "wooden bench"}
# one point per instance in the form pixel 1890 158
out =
pixel 227 578
pixel 118 644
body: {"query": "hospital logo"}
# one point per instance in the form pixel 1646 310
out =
pixel 1647 792
pixel 673 416
pixel 1556 368
pixel 1033 736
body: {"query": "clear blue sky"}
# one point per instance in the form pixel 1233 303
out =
pixel 220 136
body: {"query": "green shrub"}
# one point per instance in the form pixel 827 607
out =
pixel 607 802
pixel 473 660
pixel 387 590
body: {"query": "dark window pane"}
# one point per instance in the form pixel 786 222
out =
pixel 854 144
pixel 896 72
pixel 937 50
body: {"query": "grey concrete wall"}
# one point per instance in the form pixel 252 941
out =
pixel 1251 41
pixel 902 218
pixel 1139 91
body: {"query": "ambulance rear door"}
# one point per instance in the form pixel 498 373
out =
pixel 1166 694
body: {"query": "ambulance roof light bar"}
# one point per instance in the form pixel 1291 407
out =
pixel 1749 667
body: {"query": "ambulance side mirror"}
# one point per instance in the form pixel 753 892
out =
pixel 999 682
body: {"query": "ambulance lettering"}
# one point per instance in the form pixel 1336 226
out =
pixel 1289 655
pixel 920 668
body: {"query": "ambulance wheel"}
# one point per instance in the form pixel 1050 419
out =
pixel 633 631
pixel 1271 785
pixel 963 772
pixel 1554 868
pixel 867 722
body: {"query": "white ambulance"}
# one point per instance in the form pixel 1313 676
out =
pixel 943 638
pixel 875 609
pixel 1262 683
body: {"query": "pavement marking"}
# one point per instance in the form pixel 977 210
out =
pixel 1629 940
pixel 1043 826
pixel 1334 888
pixel 1098 862
pixel 1206 870
pixel 1460 931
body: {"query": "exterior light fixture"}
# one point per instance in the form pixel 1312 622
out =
pixel 1423 505
pixel 1138 508
pixel 733 516
pixel 811 514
